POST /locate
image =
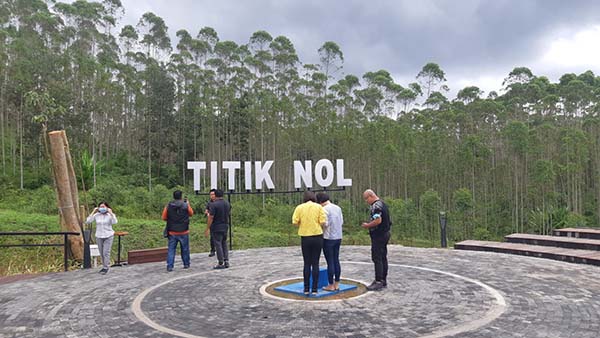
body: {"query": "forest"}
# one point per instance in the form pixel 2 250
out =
pixel 137 105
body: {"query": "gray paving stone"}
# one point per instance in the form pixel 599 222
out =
pixel 431 292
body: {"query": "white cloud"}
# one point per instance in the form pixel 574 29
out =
pixel 485 82
pixel 574 51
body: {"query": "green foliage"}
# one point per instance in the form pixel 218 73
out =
pixel 574 220
pixel 87 168
pixel 38 201
pixel 430 207
pixel 482 234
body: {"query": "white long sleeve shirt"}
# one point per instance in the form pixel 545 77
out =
pixel 335 220
pixel 104 224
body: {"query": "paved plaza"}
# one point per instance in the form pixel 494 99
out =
pixel 431 293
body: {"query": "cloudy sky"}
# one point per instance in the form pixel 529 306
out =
pixel 476 42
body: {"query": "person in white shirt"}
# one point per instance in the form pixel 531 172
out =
pixel 332 239
pixel 104 218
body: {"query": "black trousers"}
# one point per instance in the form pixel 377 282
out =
pixel 311 252
pixel 220 241
pixel 212 243
pixel 379 255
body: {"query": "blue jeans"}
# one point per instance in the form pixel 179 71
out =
pixel 331 249
pixel 184 241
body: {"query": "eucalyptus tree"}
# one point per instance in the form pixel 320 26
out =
pixel 518 75
pixel 436 100
pixel 591 126
pixel 516 134
pixel 181 68
pixel 27 53
pixel 573 158
pixel 543 178
pixel 262 58
pixel 332 59
pixel 469 94
pixel 287 84
pixel 381 93
pixel 84 20
pixel 157 45
pixel 432 78
pixel 429 207
pixel 577 97
pixel 407 96
pixel 464 207
pixel 517 92
pixel 343 92
pixel 114 10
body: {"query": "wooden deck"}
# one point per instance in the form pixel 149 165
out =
pixel 576 245
pixel 578 233
pixel 558 241
pixel 556 253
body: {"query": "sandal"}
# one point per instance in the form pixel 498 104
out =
pixel 330 287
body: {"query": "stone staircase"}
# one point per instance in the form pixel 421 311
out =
pixel 576 245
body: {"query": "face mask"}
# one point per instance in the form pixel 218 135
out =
pixel 103 210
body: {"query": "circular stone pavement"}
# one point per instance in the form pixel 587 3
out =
pixel 430 293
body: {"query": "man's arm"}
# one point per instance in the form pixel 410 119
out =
pixel 295 218
pixel 372 224
pixel 164 214
pixel 376 217
pixel 209 221
pixel 322 217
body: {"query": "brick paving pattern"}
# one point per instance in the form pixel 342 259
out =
pixel 431 293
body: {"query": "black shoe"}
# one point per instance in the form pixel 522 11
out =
pixel 226 264
pixel 375 286
pixel 211 254
pixel 169 269
pixel 186 266
pixel 219 266
pixel 103 271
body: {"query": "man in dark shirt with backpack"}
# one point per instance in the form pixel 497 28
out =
pixel 177 214
pixel 379 229
pixel 217 224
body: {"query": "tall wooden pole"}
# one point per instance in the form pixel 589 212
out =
pixel 65 185
pixel 71 174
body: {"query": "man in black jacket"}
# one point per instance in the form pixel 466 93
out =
pixel 379 229
pixel 177 214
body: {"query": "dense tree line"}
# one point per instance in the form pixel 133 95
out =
pixel 135 103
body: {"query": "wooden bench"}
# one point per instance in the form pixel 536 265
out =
pixel 147 255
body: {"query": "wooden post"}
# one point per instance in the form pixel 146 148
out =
pixel 68 207
pixel 71 173
pixel 82 213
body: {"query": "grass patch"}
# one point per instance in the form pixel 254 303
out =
pixel 147 233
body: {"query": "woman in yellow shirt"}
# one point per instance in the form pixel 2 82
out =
pixel 310 217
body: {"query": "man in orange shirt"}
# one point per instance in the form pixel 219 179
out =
pixel 177 214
